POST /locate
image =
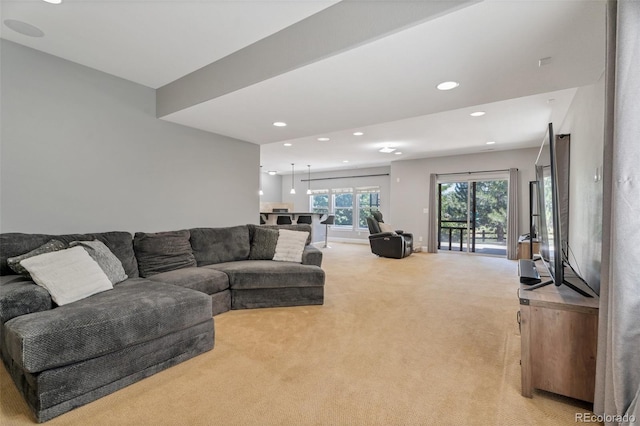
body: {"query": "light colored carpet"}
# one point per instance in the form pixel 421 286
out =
pixel 426 340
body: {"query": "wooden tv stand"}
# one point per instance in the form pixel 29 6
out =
pixel 559 330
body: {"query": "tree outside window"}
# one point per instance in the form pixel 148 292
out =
pixel 343 206
pixel 368 201
pixel 319 201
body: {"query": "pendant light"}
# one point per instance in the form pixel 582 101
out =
pixel 261 192
pixel 308 179
pixel 293 189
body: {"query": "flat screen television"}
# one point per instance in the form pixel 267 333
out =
pixel 549 228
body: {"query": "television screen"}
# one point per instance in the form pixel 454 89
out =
pixel 549 232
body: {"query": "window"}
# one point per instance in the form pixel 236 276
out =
pixel 343 206
pixel 319 201
pixel 350 206
pixel 368 200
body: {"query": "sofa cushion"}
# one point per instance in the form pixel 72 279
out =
pixel 162 251
pixel 263 244
pixel 135 311
pixel 302 227
pixel 120 243
pixel 217 245
pixel 290 246
pixel 208 281
pixel 68 275
pixel 108 261
pixel 251 274
pixel 48 247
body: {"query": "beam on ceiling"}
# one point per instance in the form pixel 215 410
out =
pixel 338 28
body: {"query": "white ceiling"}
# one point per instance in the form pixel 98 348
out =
pixel 384 88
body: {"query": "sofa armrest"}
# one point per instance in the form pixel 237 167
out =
pixel 20 296
pixel 311 256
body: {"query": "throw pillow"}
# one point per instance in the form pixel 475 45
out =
pixel 290 246
pixel 263 246
pixel 108 261
pixel 51 246
pixel 68 275
pixel 163 252
pixel 385 227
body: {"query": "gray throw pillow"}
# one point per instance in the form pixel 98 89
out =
pixel 263 246
pixel 108 261
pixel 162 252
pixel 49 247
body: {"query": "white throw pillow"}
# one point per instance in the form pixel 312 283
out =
pixel 290 245
pixel 385 227
pixel 68 275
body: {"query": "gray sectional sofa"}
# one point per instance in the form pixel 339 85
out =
pixel 62 357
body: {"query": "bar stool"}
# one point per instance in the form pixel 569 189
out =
pixel 283 220
pixel 328 221
pixel 304 219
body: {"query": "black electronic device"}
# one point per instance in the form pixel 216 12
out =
pixel 550 233
pixel 528 272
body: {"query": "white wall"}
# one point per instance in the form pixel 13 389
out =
pixel 82 151
pixel 338 179
pixel 585 123
pixel 410 185
pixel 271 188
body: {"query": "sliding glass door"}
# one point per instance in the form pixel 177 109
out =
pixel 473 216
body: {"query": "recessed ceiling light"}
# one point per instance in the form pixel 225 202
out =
pixel 398 153
pixel 358 133
pixel 477 114
pixel 324 139
pixel 387 150
pixel 287 144
pixel 280 124
pixel 448 85
pixel 272 172
pixel 23 28
pixel 491 142
pixel 53 1
pixel 345 161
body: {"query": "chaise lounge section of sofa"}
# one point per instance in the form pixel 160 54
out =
pixel 62 357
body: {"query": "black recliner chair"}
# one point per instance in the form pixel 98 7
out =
pixel 395 244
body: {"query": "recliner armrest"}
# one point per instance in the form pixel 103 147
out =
pixel 382 235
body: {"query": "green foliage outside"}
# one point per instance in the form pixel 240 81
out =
pixel 491 209
pixel 344 207
pixel 320 203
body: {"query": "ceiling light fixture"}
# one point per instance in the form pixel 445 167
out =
pixel 544 61
pixel 447 85
pixel 345 161
pixel 491 142
pixel 398 153
pixel 280 124
pixel 272 172
pixel 293 189
pixel 308 179
pixel 477 114
pixel 358 133
pixel 324 139
pixel 287 144
pixel 387 150
pixel 23 28
pixel 53 1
